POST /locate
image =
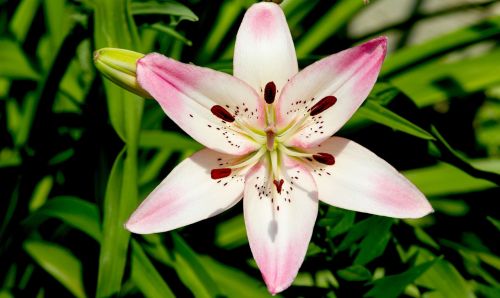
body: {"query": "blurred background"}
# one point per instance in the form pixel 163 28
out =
pixel 78 154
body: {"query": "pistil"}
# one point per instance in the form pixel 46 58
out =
pixel 271 134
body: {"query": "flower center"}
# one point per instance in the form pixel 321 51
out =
pixel 272 142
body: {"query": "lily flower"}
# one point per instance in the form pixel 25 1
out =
pixel 268 132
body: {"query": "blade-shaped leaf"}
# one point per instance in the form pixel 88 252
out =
pixel 441 80
pixel 14 64
pixel 231 233
pixel 167 7
pixel 442 277
pixel 338 15
pixel 355 273
pixel 380 114
pixel 115 27
pixel 394 285
pixel 167 140
pixel 145 276
pixel 77 213
pixel 443 179
pixel 233 282
pixel 58 262
pixel 191 271
pixel 403 58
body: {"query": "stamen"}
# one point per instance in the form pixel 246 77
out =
pixel 323 105
pixel 270 92
pixel 291 152
pixel 251 160
pixel 220 173
pixel 324 158
pixel 278 185
pixel 222 113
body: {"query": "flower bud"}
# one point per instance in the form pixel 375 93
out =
pixel 119 66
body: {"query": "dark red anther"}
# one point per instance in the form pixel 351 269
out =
pixel 279 185
pixel 323 105
pixel 222 113
pixel 220 173
pixel 324 158
pixel 270 92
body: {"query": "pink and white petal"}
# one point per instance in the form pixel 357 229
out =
pixel 264 50
pixel 188 92
pixel 188 195
pixel 348 75
pixel 279 226
pixel 361 181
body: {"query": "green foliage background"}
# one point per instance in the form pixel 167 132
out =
pixel 78 154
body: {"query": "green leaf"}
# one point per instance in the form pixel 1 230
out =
pixel 329 24
pixel 58 21
pixel 394 285
pixel 425 238
pixel 22 19
pixel 374 244
pixel 443 43
pixel 167 140
pixel 450 207
pixel 14 63
pixel 77 213
pixel 442 277
pixel 296 10
pixel 337 221
pixel 485 291
pixel 231 233
pixel 233 282
pixel 228 13
pixel 441 80
pixel 167 7
pixel 375 234
pixel 41 192
pixel 495 222
pixel 355 273
pixel 58 262
pixel 145 276
pixel 191 270
pixel 115 27
pixel 119 202
pixel 444 179
pixel 172 32
pixel 20 120
pixel 4 293
pixel 9 158
pixel 358 231
pixel 153 168
pixel 380 114
pixel 478 252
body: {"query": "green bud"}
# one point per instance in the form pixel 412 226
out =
pixel 119 66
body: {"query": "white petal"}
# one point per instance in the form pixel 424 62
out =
pixel 187 93
pixel 264 50
pixel 188 195
pixel 279 226
pixel 348 75
pixel 361 181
